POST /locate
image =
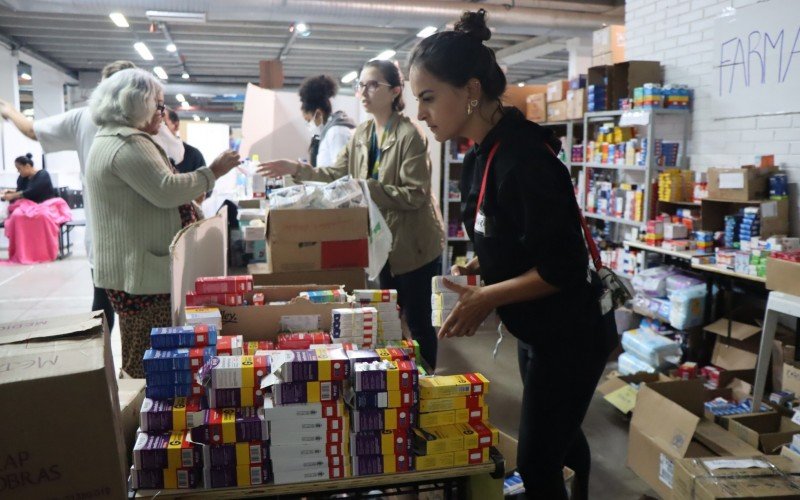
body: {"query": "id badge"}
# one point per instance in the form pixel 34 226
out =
pixel 480 223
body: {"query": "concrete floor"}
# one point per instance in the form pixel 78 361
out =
pixel 64 287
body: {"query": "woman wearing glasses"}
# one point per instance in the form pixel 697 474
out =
pixel 392 155
pixel 138 205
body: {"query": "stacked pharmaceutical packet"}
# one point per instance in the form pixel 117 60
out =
pixel 177 355
pixel 385 302
pixel 357 325
pixel 308 424
pixel 453 426
pixel 444 300
pixel 382 396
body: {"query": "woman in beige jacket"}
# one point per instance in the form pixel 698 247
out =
pixel 138 205
pixel 392 155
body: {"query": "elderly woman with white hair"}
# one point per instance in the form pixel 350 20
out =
pixel 138 205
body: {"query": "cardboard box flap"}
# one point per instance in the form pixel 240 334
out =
pixel 739 331
pixel 722 442
pixel 731 358
pixel 47 329
pixel 298 226
pixel 663 421
pixel 41 360
pixel 615 381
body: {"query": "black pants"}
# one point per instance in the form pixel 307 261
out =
pixel 414 296
pixel 558 388
pixel 101 302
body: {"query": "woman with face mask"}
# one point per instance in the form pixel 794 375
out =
pixel 391 153
pixel 329 131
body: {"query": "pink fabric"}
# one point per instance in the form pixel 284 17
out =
pixel 32 230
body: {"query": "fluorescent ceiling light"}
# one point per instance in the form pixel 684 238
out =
pixel 119 19
pixel 301 28
pixel 349 77
pixel 521 84
pixel 206 118
pixel 180 98
pixel 25 76
pixel 386 54
pixel 427 31
pixel 186 105
pixel 143 51
pixel 185 75
pixel 176 17
pixel 171 47
pixel 196 118
pixel 159 71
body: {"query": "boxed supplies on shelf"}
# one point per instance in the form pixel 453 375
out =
pixel 317 239
pixel 386 419
pixel 536 109
pixel 389 326
pixel 753 477
pixel 557 91
pixel 513 96
pixel 576 104
pixel 631 74
pixel 610 39
pixel 557 111
pixel 62 365
pixel 739 184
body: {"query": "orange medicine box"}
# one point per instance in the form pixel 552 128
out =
pixel 468 384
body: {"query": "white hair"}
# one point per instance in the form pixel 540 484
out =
pixel 128 97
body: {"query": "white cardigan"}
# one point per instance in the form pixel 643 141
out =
pixel 134 210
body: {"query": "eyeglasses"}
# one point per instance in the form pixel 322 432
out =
pixel 370 86
pixel 161 108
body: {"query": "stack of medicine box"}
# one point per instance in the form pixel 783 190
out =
pixel 443 300
pixel 385 302
pixel 453 426
pixel 309 426
pixel 177 354
pixel 357 325
pixel 233 433
pixel 163 456
pixel 384 395
pixel 325 296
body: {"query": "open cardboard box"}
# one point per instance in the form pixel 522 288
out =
pixel 740 351
pixel 352 279
pixel 773 477
pixel 667 425
pixel 783 276
pixel 774 214
pixel 62 431
pixel 767 431
pixel 618 391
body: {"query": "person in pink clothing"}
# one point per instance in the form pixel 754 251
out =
pixel 32 184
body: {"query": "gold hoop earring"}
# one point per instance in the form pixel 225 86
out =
pixel 469 109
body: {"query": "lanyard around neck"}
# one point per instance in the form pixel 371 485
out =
pixel 376 146
pixel 485 176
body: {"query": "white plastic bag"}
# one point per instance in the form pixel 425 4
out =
pixel 380 238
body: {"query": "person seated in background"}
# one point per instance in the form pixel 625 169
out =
pixel 34 185
pixel 192 157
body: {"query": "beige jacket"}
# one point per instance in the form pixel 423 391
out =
pixel 402 192
pixel 134 210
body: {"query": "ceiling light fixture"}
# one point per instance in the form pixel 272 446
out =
pixel 302 28
pixel 186 105
pixel 171 47
pixel 385 55
pixel 180 98
pixel 521 84
pixel 349 77
pixel 119 20
pixel 427 31
pixel 196 118
pixel 159 71
pixel 143 51
pixel 176 17
pixel 206 118
pixel 185 75
pixel 25 76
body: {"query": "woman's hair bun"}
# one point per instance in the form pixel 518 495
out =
pixel 29 156
pixel 474 25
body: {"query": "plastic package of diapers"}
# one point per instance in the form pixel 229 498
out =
pixel 653 282
pixel 681 281
pixel 687 307
pixel 629 364
pixel 651 347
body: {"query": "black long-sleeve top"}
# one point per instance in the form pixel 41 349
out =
pixel 532 221
pixel 36 188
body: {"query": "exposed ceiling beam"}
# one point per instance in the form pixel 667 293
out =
pixel 530 49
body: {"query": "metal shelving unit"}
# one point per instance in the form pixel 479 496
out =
pixel 449 205
pixel 570 136
pixel 654 124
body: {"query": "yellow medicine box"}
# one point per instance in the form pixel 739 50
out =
pixel 438 461
pixel 442 439
pixel 468 384
pixel 444 404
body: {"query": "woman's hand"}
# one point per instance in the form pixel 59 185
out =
pixel 472 308
pixel 224 163
pixel 279 168
pixel 472 267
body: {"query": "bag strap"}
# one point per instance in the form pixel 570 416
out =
pixel 594 252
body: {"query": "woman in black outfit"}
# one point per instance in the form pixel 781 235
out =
pixel 34 185
pixel 522 217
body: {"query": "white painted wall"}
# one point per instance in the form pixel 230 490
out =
pixel 680 34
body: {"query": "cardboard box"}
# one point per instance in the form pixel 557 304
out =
pixel 736 477
pixel 557 111
pixel 609 58
pixel 60 370
pixel 576 104
pixel 631 74
pixel 667 426
pixel 774 214
pixel 557 90
pixel 740 352
pixel 307 240
pixel 131 397
pixel 536 108
pixel 352 278
pixel 608 39
pixel 517 96
pixel 739 184
pixel 618 389
pixel 783 276
pixel 766 431
pixel 264 322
